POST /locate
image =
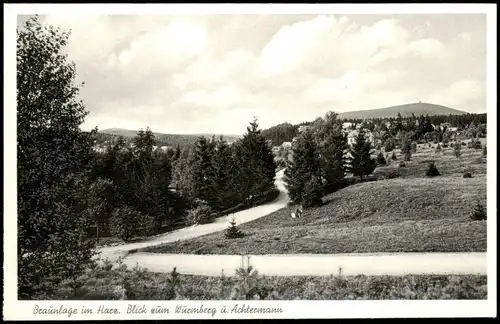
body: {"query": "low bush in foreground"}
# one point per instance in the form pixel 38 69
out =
pixel 467 175
pixel 233 232
pixel 432 171
pixel 479 213
pixel 248 284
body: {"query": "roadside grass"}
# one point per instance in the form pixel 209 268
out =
pixel 397 215
pixel 139 284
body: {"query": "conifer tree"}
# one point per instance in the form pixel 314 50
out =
pixel 201 169
pixel 313 191
pixel 381 159
pixel 362 163
pixel 457 149
pixel 332 147
pixel 177 153
pixel 304 165
pixel 233 232
pixel 406 146
pixel 223 171
pixel 432 171
pixel 256 161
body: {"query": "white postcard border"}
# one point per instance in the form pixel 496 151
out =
pixel 23 310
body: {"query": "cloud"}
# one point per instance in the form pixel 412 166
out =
pixel 463 95
pixel 193 74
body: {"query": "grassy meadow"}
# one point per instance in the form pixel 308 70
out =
pixel 402 211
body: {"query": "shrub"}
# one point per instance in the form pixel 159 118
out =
pixel 479 213
pixel 249 284
pixel 438 148
pixel 463 144
pixel 467 175
pixel 392 174
pixel 432 171
pixel 232 232
pixel 371 178
pixel 474 144
pixel 394 157
pixel 313 192
pixel 380 159
pixel 201 214
pixel 445 145
pixel 269 196
pixel 389 145
pixel 127 223
pixel 484 150
pixel 402 164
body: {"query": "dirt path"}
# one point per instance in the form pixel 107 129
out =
pixel 316 264
pixel 244 216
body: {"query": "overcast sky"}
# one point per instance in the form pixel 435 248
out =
pixel 212 74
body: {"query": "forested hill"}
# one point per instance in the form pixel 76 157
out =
pixel 165 139
pixel 417 109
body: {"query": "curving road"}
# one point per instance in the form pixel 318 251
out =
pixel 221 223
pixel 396 264
pixel 290 264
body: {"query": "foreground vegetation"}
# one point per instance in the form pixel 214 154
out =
pixel 138 284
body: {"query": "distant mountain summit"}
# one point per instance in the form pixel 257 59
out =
pixel 419 108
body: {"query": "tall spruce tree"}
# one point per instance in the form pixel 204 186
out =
pixel 304 166
pixel 53 157
pixel 406 142
pixel 256 161
pixel 362 163
pixel 332 148
pixel 202 170
pixel 177 153
pixel 222 167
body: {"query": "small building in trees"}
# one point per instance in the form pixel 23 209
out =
pixel 346 125
pixel 287 145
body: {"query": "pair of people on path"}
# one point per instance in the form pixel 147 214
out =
pixel 298 212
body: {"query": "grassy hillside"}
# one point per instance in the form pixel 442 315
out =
pixel 411 213
pixel 418 109
pixel 168 139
